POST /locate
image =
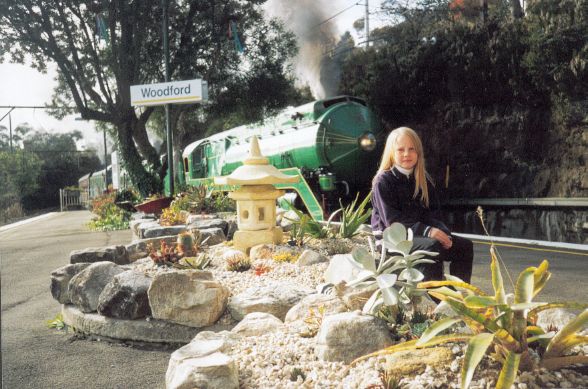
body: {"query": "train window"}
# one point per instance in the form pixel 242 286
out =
pixel 186 165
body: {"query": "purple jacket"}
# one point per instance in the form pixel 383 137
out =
pixel 392 202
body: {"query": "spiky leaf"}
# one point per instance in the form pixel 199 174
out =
pixel 436 328
pixel 508 373
pixel 477 347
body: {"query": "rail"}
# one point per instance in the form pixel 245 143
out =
pixel 546 202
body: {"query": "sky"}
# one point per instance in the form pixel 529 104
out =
pixel 25 86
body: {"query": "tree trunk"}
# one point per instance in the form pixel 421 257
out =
pixel 516 9
pixel 145 182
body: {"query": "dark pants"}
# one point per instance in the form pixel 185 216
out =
pixel 460 256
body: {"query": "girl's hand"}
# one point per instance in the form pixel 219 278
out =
pixel 442 237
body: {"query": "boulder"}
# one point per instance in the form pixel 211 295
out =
pixel 136 223
pixel 202 363
pixel 125 296
pixel 232 227
pixel 85 287
pixel 208 223
pixel 276 298
pixel 60 280
pixel 116 254
pixel 332 304
pixel 193 217
pixel 189 297
pixel 310 257
pixel 349 335
pixel 138 249
pixel 139 228
pixel 258 323
pixel 215 235
pixel 159 231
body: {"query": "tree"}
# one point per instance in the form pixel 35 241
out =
pixel 95 74
pixel 61 165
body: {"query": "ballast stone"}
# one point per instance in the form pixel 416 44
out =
pixel 349 335
pixel 125 296
pixel 85 287
pixel 60 280
pixel 189 297
pixel 115 254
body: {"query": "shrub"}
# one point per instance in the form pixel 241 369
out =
pixel 108 215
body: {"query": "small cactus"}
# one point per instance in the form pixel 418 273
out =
pixel 237 261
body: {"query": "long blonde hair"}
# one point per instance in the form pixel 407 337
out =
pixel 420 173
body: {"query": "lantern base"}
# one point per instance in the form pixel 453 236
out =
pixel 244 240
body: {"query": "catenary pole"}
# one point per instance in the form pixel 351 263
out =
pixel 367 24
pixel 170 157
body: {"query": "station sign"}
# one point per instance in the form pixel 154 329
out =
pixel 175 92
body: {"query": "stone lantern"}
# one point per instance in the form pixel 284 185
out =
pixel 256 199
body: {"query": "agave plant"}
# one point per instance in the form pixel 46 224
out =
pixel 393 289
pixel 506 328
pixel 352 218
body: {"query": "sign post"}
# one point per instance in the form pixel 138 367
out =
pixel 166 93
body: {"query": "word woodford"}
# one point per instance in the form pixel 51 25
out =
pixel 170 90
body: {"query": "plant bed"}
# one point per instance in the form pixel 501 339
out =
pixel 154 206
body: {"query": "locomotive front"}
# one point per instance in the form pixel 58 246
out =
pixel 347 141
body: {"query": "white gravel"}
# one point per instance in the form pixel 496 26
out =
pixel 267 361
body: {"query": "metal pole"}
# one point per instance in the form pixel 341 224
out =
pixel 367 24
pixel 170 157
pixel 10 126
pixel 105 162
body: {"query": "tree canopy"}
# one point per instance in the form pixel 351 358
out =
pixel 96 67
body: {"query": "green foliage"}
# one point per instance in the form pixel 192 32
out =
pixel 396 277
pixel 19 177
pixel 58 323
pixel 509 327
pixel 109 216
pixel 352 218
pixel 197 199
pixel 199 262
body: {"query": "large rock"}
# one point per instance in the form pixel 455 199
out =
pixel 60 280
pixel 203 363
pixel 276 298
pixel 349 335
pixel 136 223
pixel 258 323
pixel 85 287
pixel 138 249
pixel 190 298
pixel 310 257
pixel 159 231
pixel 139 330
pixel 208 223
pixel 116 254
pixel 215 235
pixel 125 296
pixel 330 303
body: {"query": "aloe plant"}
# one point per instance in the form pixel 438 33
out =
pixel 396 276
pixel 352 218
pixel 506 328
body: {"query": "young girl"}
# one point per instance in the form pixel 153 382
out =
pixel 403 192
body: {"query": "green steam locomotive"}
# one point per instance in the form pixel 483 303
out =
pixel 331 144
